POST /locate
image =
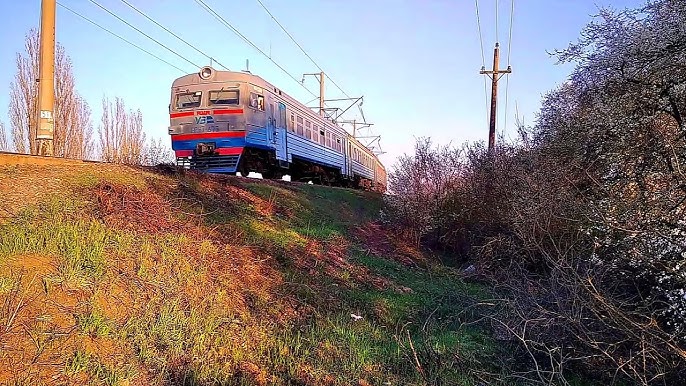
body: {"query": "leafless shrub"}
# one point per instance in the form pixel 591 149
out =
pixel 156 153
pixel 4 145
pixel 122 139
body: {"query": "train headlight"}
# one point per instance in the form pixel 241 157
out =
pixel 206 73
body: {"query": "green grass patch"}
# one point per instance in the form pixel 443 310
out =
pixel 94 324
pixel 82 362
pixel 320 212
pixel 59 228
pixel 80 245
pixel 120 175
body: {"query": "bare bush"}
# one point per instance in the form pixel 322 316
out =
pixel 122 139
pixel 73 129
pixel 4 145
pixel 157 153
pixel 419 183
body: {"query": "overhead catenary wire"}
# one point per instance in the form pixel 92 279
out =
pixel 143 33
pixel 509 50
pixel 238 33
pixel 301 48
pixel 120 37
pixel 173 34
pixel 308 56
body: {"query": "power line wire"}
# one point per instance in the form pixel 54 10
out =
pixel 237 32
pixel 509 50
pixel 173 34
pixel 483 57
pixel 301 48
pixel 507 95
pixel 143 33
pixel 496 19
pixel 481 40
pixel 509 43
pixel 119 37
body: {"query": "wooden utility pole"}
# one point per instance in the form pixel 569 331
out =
pixel 46 80
pixel 495 75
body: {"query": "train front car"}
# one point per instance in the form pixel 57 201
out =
pixel 207 121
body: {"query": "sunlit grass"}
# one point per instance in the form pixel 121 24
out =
pixel 79 245
pixel 208 307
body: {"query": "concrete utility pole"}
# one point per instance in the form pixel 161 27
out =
pixel 321 93
pixel 46 80
pixel 319 75
pixel 494 75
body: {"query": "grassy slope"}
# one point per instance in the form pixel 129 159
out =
pixel 118 276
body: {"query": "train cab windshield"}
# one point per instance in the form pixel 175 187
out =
pixel 224 97
pixel 188 100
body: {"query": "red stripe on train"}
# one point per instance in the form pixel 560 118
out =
pixel 184 153
pixel 205 112
pixel 227 111
pixel 226 134
pixel 220 151
pixel 181 115
pixel 229 150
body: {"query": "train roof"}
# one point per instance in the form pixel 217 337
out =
pixel 221 77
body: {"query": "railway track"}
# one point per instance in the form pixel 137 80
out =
pixel 11 158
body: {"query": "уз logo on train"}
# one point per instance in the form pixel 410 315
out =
pixel 204 120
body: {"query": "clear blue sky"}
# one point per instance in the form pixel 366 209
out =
pixel 415 62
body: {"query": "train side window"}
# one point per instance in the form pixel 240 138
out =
pixel 291 123
pixel 188 100
pixel 256 101
pixel 338 144
pixel 315 132
pixel 308 129
pixel 224 97
pixel 300 125
pixel 323 140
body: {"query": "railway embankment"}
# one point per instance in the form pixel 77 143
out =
pixel 116 275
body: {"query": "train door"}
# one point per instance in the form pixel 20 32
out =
pixel 280 133
pixel 271 124
pixel 348 159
